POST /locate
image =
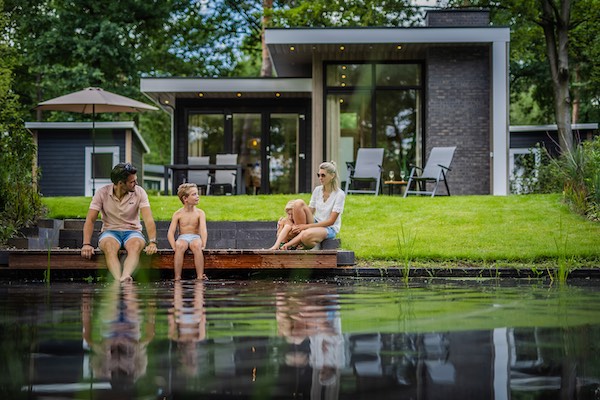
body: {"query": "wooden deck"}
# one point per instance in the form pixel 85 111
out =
pixel 214 259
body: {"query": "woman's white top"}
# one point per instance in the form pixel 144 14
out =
pixel 323 209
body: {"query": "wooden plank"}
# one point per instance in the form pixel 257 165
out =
pixel 213 259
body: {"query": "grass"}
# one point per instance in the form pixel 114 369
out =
pixel 472 229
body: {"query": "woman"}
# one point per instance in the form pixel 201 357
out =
pixel 326 205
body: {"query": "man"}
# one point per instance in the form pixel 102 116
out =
pixel 120 204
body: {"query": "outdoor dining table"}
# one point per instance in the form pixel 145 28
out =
pixel 239 186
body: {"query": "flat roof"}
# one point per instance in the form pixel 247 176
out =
pixel 88 125
pixel 292 49
pixel 551 127
pixel 164 91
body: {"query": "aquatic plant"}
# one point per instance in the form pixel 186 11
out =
pixel 406 246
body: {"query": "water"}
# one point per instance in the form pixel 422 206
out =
pixel 338 339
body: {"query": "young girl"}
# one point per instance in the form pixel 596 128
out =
pixel 285 224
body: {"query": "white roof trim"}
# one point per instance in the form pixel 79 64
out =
pixel 224 85
pixel 88 125
pixel 535 128
pixel 385 35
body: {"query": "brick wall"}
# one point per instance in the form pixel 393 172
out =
pixel 458 113
pixel 445 18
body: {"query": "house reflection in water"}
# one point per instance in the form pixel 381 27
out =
pixel 278 341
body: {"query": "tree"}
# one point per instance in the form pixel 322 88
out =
pixel 19 199
pixel 556 32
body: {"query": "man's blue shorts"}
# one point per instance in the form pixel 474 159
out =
pixel 121 236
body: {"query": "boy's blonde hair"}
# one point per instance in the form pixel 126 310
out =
pixel 184 190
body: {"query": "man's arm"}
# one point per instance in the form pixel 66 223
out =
pixel 87 250
pixel 150 229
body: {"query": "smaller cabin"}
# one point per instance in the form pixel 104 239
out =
pixel 66 152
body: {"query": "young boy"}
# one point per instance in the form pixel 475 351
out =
pixel 191 222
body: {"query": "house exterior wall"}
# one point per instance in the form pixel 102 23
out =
pixel 137 155
pixel 61 158
pixel 458 113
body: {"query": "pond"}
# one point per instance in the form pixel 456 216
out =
pixel 305 339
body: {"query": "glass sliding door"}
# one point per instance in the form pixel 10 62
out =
pixel 374 105
pixel 349 127
pixel 283 153
pixel 247 144
pixel 269 140
pixel 397 124
pixel 206 135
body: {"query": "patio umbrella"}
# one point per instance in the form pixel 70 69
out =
pixel 94 100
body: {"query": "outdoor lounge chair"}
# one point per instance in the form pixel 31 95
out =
pixel 223 179
pixel 434 172
pixel 367 170
pixel 200 177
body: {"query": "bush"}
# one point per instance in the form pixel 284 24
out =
pixel 20 202
pixel 577 174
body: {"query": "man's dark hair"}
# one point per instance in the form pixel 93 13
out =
pixel 121 172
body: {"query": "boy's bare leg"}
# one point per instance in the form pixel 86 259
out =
pixel 110 247
pixel 134 247
pixel 181 247
pixel 196 247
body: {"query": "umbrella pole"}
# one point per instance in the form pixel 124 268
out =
pixel 93 149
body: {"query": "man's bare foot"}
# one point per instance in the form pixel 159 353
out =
pixel 204 278
pixel 177 278
pixel 126 279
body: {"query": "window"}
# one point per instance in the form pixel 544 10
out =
pixel 206 134
pixel 374 105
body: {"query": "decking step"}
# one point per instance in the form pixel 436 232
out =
pixel 213 259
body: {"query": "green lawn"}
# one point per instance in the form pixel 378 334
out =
pixel 458 228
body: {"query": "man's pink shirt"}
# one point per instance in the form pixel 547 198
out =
pixel 121 215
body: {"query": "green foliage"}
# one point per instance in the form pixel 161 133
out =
pixel 529 71
pixel 20 202
pixel 577 174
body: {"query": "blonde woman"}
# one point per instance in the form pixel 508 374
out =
pixel 326 205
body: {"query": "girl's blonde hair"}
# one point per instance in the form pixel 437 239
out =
pixel 184 190
pixel 290 205
pixel 331 168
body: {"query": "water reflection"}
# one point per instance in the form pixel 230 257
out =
pixel 310 322
pixel 118 334
pixel 308 340
pixel 187 324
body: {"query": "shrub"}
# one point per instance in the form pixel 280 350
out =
pixel 577 174
pixel 20 202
